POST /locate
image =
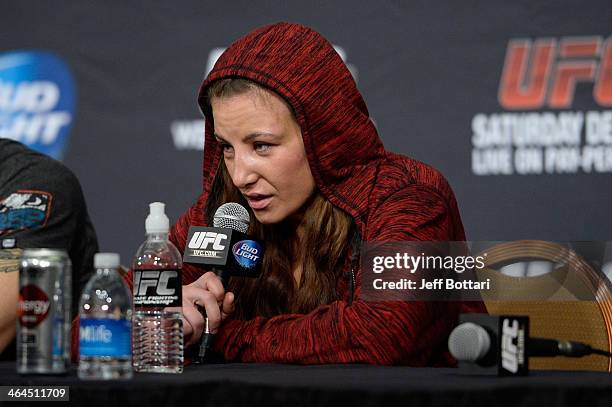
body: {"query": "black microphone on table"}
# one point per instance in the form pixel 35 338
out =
pixel 227 249
pixel 487 344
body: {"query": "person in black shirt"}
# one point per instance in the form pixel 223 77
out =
pixel 41 205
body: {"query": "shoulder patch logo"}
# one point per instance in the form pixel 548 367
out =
pixel 24 209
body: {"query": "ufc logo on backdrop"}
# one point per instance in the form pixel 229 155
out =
pixel 545 72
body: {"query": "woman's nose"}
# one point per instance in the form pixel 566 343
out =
pixel 243 173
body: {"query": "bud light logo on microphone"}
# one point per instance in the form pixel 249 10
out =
pixel 247 253
pixel 37 100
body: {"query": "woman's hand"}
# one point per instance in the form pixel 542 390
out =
pixel 206 293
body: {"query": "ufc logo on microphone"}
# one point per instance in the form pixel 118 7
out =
pixel 159 280
pixel 201 240
pixel 509 350
pixel 546 71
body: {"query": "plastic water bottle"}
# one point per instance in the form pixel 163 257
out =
pixel 158 328
pixel 105 312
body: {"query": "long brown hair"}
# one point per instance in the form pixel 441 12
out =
pixel 320 253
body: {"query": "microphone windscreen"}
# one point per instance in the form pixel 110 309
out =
pixel 469 342
pixel 232 216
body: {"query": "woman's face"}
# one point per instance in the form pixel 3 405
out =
pixel 264 153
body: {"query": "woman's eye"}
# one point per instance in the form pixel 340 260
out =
pixel 226 147
pixel 262 147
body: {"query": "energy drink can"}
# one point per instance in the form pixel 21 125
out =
pixel 43 312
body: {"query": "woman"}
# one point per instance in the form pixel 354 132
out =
pixel 288 135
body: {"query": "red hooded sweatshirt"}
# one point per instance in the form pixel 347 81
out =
pixel 390 197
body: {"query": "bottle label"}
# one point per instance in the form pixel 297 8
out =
pixel 105 337
pixel 157 288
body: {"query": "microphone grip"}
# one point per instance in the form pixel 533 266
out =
pixel 540 347
pixel 208 337
pixel 205 343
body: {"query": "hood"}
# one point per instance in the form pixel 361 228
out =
pixel 342 145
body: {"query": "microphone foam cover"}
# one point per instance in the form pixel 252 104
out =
pixel 469 342
pixel 232 216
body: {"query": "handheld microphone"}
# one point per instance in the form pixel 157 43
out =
pixel 230 216
pixel 227 248
pixel 501 345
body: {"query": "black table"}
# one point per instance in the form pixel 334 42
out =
pixel 332 385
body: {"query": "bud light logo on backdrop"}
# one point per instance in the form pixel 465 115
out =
pixel 37 100
pixel 247 253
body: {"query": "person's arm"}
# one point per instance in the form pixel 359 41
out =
pixel 9 287
pixel 8 307
pixel 386 332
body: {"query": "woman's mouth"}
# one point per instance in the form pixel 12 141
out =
pixel 258 202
